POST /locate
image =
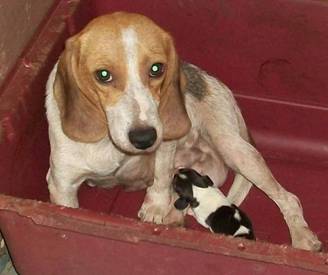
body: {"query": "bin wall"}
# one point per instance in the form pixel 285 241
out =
pixel 19 21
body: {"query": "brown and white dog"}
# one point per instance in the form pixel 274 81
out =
pixel 123 109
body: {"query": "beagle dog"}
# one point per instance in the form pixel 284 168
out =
pixel 209 206
pixel 123 109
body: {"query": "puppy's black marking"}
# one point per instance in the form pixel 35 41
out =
pixel 223 221
pixel 210 207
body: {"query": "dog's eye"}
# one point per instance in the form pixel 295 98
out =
pixel 104 76
pixel 156 70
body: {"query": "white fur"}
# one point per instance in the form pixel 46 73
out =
pixel 134 85
pixel 122 117
pixel 72 162
pixel 210 199
pixel 237 216
pixel 241 230
pixel 158 196
pixel 182 176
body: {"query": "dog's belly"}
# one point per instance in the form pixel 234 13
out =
pixel 196 153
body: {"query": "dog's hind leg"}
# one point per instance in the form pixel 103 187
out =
pixel 244 159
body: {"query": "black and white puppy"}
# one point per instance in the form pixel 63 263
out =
pixel 209 205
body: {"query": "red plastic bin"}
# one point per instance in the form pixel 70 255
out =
pixel 273 54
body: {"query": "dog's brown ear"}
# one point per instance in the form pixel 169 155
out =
pixel 82 117
pixel 172 109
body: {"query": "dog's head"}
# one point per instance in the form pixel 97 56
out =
pixel 121 76
pixel 182 185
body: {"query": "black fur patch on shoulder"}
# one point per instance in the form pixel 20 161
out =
pixel 196 84
pixel 223 221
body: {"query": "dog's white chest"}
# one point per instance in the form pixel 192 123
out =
pixel 103 159
pixel 109 167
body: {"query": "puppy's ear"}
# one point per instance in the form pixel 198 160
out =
pixel 201 182
pixel 172 109
pixel 207 180
pixel 181 204
pixel 81 114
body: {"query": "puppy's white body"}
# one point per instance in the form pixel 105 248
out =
pixel 242 230
pixel 210 199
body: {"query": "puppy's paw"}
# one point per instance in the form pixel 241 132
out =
pixel 153 212
pixel 304 238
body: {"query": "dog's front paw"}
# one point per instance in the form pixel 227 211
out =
pixel 304 238
pixel 155 207
pixel 153 212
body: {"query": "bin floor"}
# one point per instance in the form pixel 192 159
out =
pixel 267 220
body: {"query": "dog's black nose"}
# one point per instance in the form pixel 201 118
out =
pixel 143 138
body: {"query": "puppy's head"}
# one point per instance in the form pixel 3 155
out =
pixel 182 184
pixel 120 76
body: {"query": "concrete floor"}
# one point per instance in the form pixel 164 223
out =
pixel 6 266
pixel 9 269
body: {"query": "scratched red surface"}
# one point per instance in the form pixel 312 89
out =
pixel 273 54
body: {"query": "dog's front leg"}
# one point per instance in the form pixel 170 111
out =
pixel 63 185
pixel 156 204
